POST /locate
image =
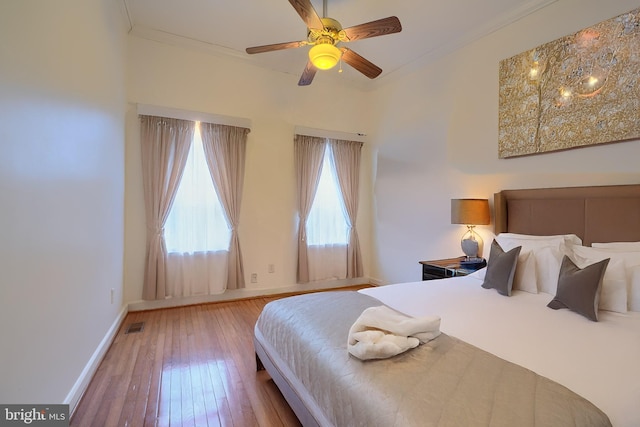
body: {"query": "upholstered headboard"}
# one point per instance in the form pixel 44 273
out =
pixel 595 214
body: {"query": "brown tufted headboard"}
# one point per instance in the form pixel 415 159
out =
pixel 595 214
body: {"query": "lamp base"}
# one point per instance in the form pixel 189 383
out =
pixel 471 243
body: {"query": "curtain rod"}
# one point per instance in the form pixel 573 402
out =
pixel 176 113
pixel 334 134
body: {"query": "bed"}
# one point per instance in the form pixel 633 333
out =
pixel 500 360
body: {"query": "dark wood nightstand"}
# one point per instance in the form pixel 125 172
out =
pixel 449 267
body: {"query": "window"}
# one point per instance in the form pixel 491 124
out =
pixel 326 224
pixel 196 222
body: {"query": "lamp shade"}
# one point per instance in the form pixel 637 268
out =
pixel 470 211
pixel 324 56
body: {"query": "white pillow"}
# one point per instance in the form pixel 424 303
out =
pixel 546 264
pixel 525 278
pixel 631 257
pixel 568 238
pixel 613 293
pixel 633 301
pixel 623 246
pixel 532 242
pixel 631 260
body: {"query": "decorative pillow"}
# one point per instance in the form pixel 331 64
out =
pixel 579 288
pixel 623 246
pixel 613 295
pixel 631 260
pixel 501 269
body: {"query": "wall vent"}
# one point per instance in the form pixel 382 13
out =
pixel 134 328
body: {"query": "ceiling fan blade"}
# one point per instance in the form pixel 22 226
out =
pixel 377 28
pixel 307 13
pixel 307 75
pixel 366 67
pixel 272 47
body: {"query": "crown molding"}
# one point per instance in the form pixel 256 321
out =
pixel 466 38
pixel 443 49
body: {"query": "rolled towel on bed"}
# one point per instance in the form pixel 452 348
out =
pixel 382 332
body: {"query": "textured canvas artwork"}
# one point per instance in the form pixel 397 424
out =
pixel 582 89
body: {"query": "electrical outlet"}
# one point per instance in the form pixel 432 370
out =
pixel 113 291
pixel 254 277
pixel 272 268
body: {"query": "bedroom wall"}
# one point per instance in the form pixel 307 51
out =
pixel 61 191
pixel 190 79
pixel 436 139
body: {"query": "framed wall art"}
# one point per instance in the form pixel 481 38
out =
pixel 579 90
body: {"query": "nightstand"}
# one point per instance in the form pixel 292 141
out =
pixel 449 267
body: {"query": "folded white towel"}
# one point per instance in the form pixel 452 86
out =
pixel 382 332
pixel 378 345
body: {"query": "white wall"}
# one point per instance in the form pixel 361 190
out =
pixel 437 140
pixel 61 191
pixel 168 76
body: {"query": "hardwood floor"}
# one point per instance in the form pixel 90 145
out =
pixel 190 366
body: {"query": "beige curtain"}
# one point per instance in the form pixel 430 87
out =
pixel 197 273
pixel 308 153
pixel 165 146
pixel 346 157
pixel 225 149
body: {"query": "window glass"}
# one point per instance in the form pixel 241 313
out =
pixel 326 224
pixel 196 222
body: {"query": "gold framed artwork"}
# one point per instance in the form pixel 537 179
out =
pixel 579 90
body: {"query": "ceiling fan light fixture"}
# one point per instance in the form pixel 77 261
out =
pixel 323 34
pixel 324 56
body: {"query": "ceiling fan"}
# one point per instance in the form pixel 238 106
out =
pixel 324 34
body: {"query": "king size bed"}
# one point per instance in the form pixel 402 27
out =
pixel 503 357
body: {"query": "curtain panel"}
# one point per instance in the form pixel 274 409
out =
pixel 165 146
pixel 225 150
pixel 346 158
pixel 308 156
pixel 196 273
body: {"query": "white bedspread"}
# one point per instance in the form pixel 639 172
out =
pixel 598 360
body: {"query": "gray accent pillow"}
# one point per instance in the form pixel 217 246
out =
pixel 579 288
pixel 501 269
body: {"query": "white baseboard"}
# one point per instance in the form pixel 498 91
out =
pixel 245 293
pixel 92 365
pixel 377 282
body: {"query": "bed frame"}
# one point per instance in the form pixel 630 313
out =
pixel 293 392
pixel 595 214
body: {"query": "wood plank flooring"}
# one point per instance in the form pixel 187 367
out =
pixel 190 366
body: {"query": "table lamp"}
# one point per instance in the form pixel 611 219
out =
pixel 470 212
